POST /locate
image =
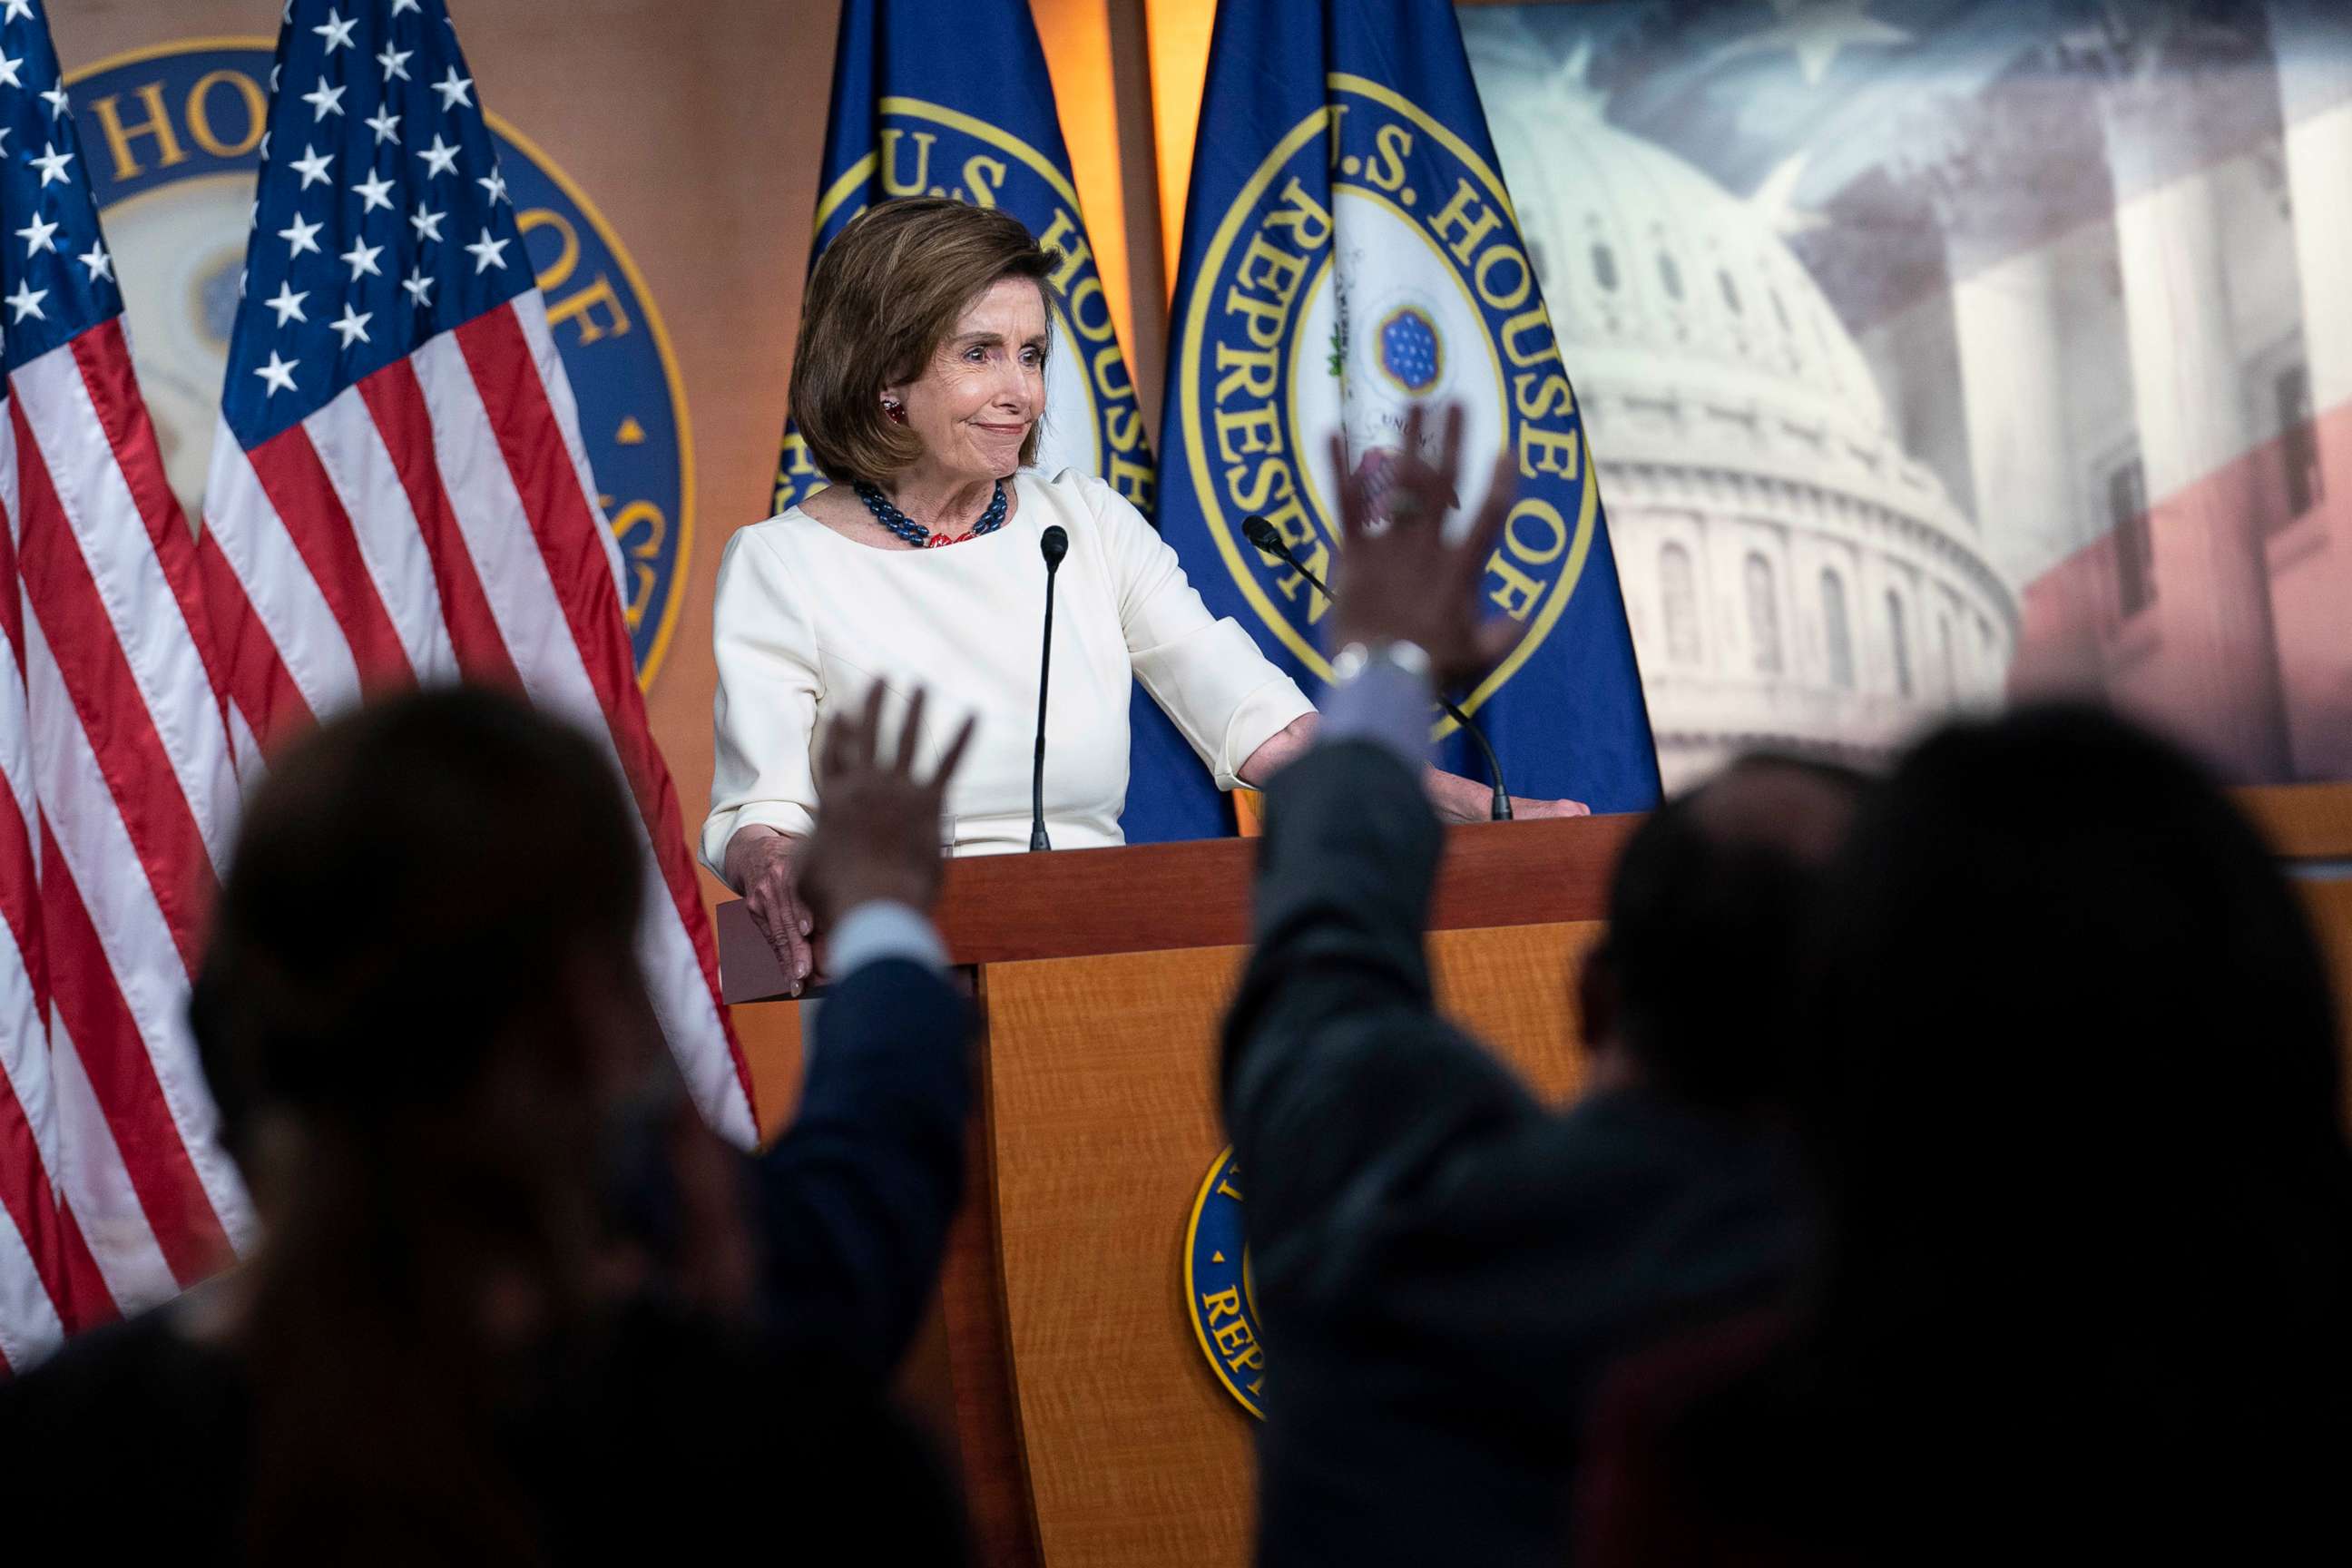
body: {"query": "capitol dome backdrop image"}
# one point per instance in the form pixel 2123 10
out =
pixel 1907 392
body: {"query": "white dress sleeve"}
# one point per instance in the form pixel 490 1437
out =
pixel 765 710
pixel 1226 697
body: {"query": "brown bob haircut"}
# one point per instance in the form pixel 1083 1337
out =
pixel 885 295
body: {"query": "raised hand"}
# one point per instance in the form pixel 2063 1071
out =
pixel 877 825
pixel 1403 582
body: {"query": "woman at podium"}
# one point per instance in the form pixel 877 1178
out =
pixel 918 386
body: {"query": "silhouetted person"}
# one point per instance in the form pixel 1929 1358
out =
pixel 2075 1106
pixel 511 1302
pixel 1442 1266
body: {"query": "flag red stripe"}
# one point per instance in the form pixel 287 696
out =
pixel 12 607
pixel 107 699
pixel 257 681
pixel 68 1273
pixel 306 502
pixel 103 356
pixel 395 401
pixel 569 540
pixel 99 1021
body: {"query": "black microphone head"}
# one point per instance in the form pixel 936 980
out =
pixel 1054 544
pixel 1260 533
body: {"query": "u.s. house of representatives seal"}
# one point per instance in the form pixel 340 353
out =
pixel 173 134
pixel 1093 421
pixel 1370 262
pixel 1217 1286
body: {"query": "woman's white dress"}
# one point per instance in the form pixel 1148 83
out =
pixel 807 621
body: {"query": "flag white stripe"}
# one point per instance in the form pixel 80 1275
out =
pixel 530 314
pixel 131 930
pixel 522 595
pixel 285 597
pixel 359 466
pixel 29 1325
pixel 24 1049
pixel 140 604
pixel 98 1186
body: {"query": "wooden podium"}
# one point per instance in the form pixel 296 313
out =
pixel 1085 1420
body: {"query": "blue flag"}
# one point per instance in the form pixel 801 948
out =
pixel 1349 251
pixel 949 98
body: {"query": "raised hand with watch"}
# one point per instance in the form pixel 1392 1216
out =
pixel 1406 607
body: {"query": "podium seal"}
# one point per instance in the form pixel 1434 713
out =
pixel 1217 1286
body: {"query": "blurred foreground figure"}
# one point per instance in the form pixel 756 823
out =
pixel 1444 1267
pixel 513 1303
pixel 2076 1111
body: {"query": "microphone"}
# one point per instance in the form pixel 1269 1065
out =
pixel 1263 534
pixel 1053 544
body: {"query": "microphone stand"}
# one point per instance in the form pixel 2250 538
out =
pixel 1053 545
pixel 1263 534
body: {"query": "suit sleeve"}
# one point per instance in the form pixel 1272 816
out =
pixel 856 1198
pixel 1346 1094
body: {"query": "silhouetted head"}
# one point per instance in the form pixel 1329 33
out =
pixel 1696 986
pixel 431 905
pixel 2077 1101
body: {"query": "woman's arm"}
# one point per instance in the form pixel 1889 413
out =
pixel 762 788
pixel 1455 798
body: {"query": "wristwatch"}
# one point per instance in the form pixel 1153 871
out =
pixel 1409 658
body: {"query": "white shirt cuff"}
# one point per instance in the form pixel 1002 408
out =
pixel 880 929
pixel 1384 704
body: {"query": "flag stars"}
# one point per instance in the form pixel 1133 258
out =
pixel 8 69
pixel 288 303
pixel 352 325
pixel 52 165
pixel 494 182
pixel 394 62
pixel 385 124
pixel 302 237
pixel 439 159
pixel 487 253
pixel 373 192
pixel 36 235
pixel 336 31
pixel 99 263
pixel 58 100
pixel 18 11
pixel 361 259
pixel 419 287
pixel 426 222
pixel 324 101
pixel 277 374
pixel 26 301
pixel 455 90
pixel 312 166
pixel 398 7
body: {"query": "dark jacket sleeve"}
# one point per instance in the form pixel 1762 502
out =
pixel 1344 1092
pixel 855 1199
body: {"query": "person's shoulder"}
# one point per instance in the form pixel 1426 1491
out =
pixel 787 536
pixel 1075 494
pixel 141 1372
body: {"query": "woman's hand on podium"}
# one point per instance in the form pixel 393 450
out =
pixel 765 864
pixel 878 826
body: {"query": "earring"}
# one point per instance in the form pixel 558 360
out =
pixel 893 412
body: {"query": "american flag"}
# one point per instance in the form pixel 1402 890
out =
pixel 398 491
pixel 113 1190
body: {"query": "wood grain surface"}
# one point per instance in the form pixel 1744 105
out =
pixel 1102 1124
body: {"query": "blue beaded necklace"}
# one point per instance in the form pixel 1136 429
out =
pixel 914 532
